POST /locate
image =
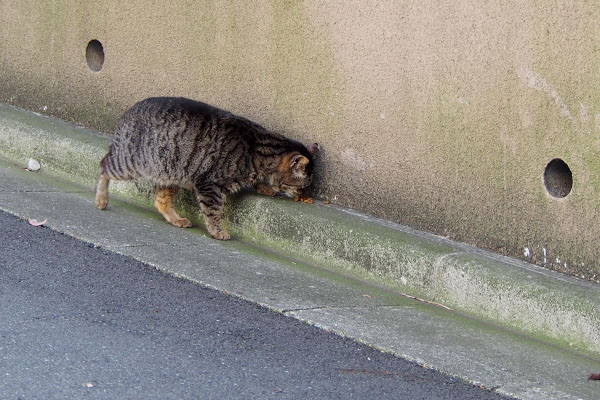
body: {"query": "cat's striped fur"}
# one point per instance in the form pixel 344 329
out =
pixel 177 142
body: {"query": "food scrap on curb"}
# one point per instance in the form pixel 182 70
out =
pixel 307 200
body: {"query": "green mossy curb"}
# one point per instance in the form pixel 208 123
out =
pixel 503 291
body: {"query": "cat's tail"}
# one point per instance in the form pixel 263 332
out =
pixel 111 167
pixel 114 165
pixel 102 184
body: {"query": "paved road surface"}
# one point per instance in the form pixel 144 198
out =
pixel 78 322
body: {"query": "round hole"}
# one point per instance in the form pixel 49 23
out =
pixel 94 54
pixel 558 178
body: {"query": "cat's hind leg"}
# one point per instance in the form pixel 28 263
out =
pixel 163 201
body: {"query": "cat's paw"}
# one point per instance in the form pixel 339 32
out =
pixel 221 235
pixel 181 223
pixel 101 202
pixel 264 190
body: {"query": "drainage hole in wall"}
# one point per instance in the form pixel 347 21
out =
pixel 94 54
pixel 558 178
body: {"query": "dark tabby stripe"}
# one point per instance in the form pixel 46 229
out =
pixel 177 142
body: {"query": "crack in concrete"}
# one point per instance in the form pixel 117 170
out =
pixel 172 245
pixel 292 310
pixel 44 191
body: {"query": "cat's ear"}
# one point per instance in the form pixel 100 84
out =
pixel 298 163
pixel 313 148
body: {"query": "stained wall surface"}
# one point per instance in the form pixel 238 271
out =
pixel 439 115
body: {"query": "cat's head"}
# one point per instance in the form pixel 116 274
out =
pixel 294 171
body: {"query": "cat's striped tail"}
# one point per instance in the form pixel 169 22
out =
pixel 109 169
pixel 102 184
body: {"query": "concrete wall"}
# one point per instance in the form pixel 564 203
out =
pixel 440 115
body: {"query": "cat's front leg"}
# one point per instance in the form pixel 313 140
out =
pixel 265 190
pixel 211 200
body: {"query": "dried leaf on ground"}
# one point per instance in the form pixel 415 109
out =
pixel 36 222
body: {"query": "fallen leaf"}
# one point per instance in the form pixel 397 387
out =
pixel 325 202
pixel 594 377
pixel 36 222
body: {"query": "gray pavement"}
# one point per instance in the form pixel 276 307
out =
pixel 332 267
pixel 482 285
pixel 432 336
pixel 82 322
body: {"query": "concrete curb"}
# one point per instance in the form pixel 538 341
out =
pixel 473 282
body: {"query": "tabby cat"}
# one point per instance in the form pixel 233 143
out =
pixel 177 142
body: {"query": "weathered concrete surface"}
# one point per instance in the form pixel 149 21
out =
pixel 472 282
pixel 435 337
pixel 437 115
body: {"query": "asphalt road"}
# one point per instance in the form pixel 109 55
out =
pixel 79 322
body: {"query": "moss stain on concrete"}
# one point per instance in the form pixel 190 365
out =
pixel 303 70
pixel 499 183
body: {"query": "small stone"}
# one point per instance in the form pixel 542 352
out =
pixel 33 164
